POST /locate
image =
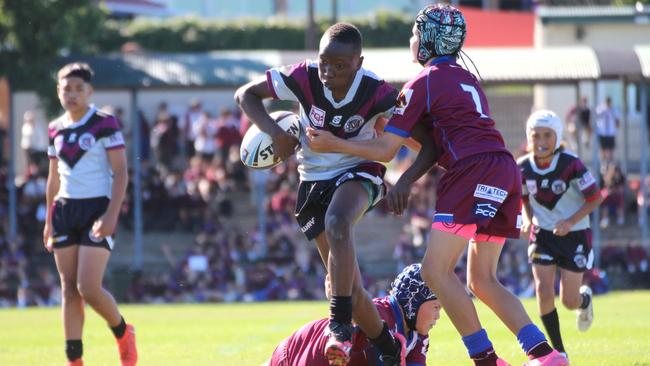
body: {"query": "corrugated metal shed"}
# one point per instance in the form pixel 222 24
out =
pixel 643 52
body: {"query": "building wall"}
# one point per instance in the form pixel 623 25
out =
pixel 600 35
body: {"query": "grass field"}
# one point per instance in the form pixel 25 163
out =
pixel 246 334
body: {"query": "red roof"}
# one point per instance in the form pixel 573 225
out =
pixel 494 28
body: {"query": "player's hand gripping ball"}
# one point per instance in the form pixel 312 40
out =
pixel 256 150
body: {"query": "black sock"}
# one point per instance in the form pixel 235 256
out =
pixel 74 349
pixel 119 330
pixel 586 300
pixel 385 342
pixel 341 309
pixel 485 358
pixel 540 350
pixel 552 325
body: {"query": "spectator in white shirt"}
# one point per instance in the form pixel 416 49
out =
pixel 607 122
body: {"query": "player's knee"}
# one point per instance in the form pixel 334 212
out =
pixel 88 291
pixel 544 290
pixel 337 227
pixel 480 285
pixel 430 276
pixel 69 289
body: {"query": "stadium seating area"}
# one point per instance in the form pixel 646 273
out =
pixel 195 189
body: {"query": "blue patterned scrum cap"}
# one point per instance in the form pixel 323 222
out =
pixel 442 30
pixel 411 292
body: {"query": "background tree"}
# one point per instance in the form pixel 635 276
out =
pixel 34 33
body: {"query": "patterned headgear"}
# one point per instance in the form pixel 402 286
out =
pixel 411 292
pixel 548 119
pixel 442 31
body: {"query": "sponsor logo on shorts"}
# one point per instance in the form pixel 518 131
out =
pixel 558 186
pixel 353 123
pixel 586 180
pixel 544 257
pixel 485 209
pixel 86 141
pixel 580 260
pixel 58 239
pixel 403 100
pixel 344 178
pixel 531 185
pixel 308 225
pixel 317 116
pixel 490 193
pixel 336 121
pixel 94 239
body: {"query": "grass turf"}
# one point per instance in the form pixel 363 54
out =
pixel 246 334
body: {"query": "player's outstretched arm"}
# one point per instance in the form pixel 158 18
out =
pixel 249 98
pixel 381 149
pixel 397 198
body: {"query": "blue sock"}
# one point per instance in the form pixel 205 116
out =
pixel 477 342
pixel 530 336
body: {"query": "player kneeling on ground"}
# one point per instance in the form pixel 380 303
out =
pixel 410 311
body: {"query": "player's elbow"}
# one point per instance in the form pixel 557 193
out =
pixel 240 93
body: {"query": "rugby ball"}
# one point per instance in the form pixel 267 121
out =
pixel 256 150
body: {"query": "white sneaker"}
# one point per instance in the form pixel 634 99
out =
pixel 585 316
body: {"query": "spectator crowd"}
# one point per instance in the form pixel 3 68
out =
pixel 193 183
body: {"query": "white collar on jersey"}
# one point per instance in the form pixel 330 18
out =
pixel 82 121
pixel 550 167
pixel 351 92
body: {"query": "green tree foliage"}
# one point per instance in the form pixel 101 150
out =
pixel 200 35
pixel 33 33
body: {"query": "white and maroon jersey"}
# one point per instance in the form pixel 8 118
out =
pixel 352 118
pixel 557 191
pixel 80 148
pixel 450 102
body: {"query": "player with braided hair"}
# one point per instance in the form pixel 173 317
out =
pixel 478 197
pixel 410 311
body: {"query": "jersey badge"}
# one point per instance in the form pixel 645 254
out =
pixel 336 121
pixel 317 116
pixel 353 123
pixel 72 138
pixel 544 183
pixel 586 180
pixel 558 186
pixel 86 141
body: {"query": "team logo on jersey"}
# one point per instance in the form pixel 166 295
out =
pixel 490 193
pixel 531 185
pixel 58 143
pixel 317 116
pixel 485 209
pixel 403 100
pixel 544 183
pixel 86 141
pixel 72 138
pixel 558 186
pixel 336 121
pixel 353 123
pixel 586 180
